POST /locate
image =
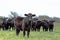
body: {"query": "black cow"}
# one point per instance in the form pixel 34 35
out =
pixel 21 23
pixel 48 25
pixel 10 24
pixel 51 25
pixel 38 25
pixel 1 25
pixel 34 23
pixel 5 24
pixel 44 24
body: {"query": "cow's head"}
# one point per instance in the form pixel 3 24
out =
pixel 30 15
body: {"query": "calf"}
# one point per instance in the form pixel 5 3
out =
pixel 21 24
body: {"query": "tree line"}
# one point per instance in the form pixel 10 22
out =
pixel 40 17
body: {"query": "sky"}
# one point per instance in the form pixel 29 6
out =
pixel 38 7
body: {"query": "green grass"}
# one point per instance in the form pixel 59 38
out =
pixel 11 35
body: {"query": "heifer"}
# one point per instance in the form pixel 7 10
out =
pixel 34 24
pixel 21 24
pixel 1 26
pixel 10 23
pixel 48 25
pixel 45 25
pixel 18 24
pixel 42 23
pixel 5 24
pixel 38 25
pixel 51 25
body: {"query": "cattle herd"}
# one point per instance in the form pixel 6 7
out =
pixel 22 24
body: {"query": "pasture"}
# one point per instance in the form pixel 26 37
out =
pixel 11 35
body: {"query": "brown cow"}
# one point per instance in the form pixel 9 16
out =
pixel 18 24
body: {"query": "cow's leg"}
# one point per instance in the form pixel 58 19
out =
pixel 17 31
pixel 38 28
pixel 6 28
pixel 43 28
pixel 51 28
pixel 3 27
pixel 12 28
pixel 0 27
pixel 23 33
pixel 35 28
pixel 46 29
pixel 28 32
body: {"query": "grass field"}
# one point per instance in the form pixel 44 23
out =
pixel 11 35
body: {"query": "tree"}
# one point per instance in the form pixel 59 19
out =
pixel 13 15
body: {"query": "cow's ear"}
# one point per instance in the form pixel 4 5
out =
pixel 34 15
pixel 26 14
